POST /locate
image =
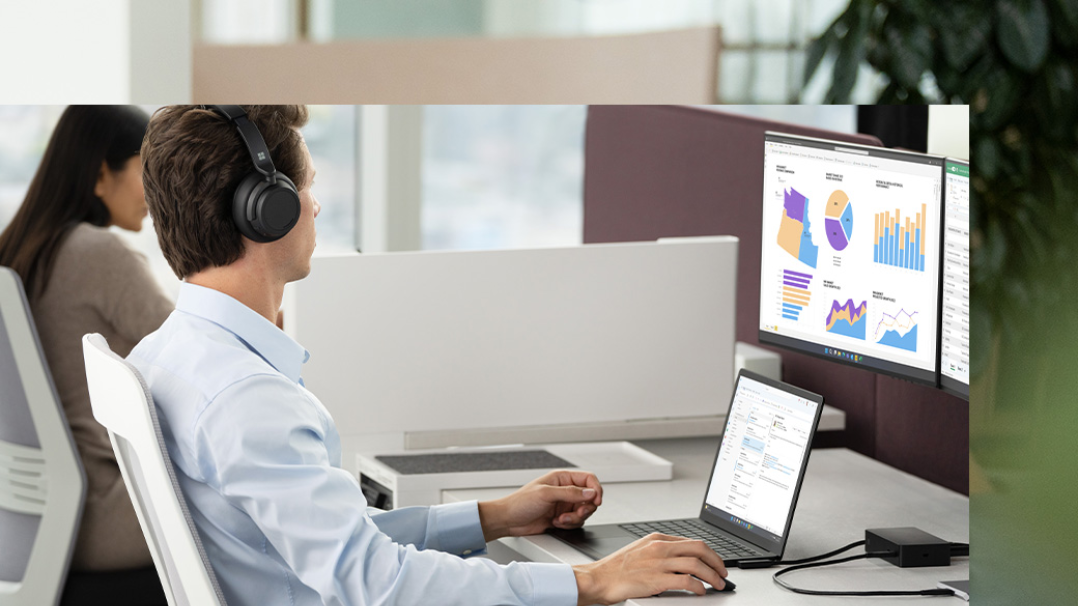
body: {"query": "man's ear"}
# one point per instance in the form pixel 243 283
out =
pixel 104 180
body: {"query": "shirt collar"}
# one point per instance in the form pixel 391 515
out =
pixel 258 333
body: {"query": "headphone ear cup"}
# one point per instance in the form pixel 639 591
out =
pixel 277 208
pixel 243 206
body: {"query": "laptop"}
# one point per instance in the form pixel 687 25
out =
pixel 750 498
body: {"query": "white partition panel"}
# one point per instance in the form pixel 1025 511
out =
pixel 443 348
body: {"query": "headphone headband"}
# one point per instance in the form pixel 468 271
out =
pixel 252 139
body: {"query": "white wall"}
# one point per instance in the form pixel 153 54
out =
pixel 948 130
pixel 64 51
pixel 160 50
pixel 95 51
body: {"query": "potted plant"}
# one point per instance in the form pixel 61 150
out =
pixel 1015 63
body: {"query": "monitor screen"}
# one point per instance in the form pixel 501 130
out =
pixel 850 261
pixel 954 313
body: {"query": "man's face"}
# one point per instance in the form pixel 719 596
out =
pixel 296 248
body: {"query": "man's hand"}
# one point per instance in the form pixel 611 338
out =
pixel 562 499
pixel 654 564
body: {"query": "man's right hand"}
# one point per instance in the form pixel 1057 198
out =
pixel 651 565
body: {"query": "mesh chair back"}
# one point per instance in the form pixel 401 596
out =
pixel 42 484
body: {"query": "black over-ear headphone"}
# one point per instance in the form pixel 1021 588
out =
pixel 266 204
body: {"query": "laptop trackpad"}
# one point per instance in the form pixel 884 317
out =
pixel 598 541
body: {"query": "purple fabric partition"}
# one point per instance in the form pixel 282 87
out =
pixel 662 171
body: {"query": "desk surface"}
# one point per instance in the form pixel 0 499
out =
pixel 843 494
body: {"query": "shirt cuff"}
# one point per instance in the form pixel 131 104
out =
pixel 459 530
pixel 553 584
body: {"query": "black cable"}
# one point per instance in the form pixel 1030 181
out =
pixel 820 557
pixel 959 550
pixel 787 586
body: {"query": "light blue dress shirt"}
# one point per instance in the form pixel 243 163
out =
pixel 258 459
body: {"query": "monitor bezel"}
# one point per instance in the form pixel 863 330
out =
pixel 949 385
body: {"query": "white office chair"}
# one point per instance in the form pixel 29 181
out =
pixel 42 484
pixel 121 402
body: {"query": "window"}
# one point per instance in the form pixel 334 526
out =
pixel 26 132
pixel 502 176
pixel 331 137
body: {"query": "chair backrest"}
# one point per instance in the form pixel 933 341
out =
pixel 678 66
pixel 121 401
pixel 42 484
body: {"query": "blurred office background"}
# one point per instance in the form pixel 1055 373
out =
pixel 462 177
pixel 761 58
pixel 763 41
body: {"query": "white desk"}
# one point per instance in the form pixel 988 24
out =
pixel 843 494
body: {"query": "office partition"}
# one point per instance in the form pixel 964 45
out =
pixel 580 343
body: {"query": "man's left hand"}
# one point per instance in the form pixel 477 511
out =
pixel 560 499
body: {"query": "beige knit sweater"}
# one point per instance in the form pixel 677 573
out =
pixel 98 284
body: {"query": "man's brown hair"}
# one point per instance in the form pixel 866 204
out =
pixel 192 161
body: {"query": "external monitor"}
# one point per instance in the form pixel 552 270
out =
pixel 954 305
pixel 850 263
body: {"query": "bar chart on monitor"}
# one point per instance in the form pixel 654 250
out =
pixel 795 293
pixel 901 243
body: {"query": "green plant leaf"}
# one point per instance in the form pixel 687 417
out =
pixel 1023 32
pixel 963 34
pixel 890 95
pixel 994 250
pixel 980 324
pixel 986 155
pixel 851 52
pixel 1063 182
pixel 1004 91
pixel 976 76
pixel 1064 18
pixel 911 51
pixel 818 48
pixel 952 83
pixel 1031 242
pixel 1056 110
pixel 815 54
pixel 877 53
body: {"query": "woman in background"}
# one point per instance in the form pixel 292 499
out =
pixel 81 278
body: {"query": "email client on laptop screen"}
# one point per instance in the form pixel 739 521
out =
pixel 750 499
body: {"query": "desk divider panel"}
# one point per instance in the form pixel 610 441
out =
pixel 465 348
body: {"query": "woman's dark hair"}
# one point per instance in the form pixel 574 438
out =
pixel 61 195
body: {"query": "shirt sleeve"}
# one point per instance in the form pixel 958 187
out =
pixel 450 527
pixel 261 444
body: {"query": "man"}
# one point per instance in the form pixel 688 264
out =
pixel 257 455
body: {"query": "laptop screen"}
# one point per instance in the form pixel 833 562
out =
pixel 762 457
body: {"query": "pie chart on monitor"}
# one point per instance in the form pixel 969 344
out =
pixel 838 221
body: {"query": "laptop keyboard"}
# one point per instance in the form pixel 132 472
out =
pixel 725 546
